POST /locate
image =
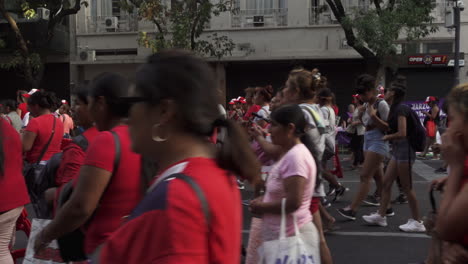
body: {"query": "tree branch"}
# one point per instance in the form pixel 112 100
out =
pixel 339 12
pixel 23 48
pixel 391 5
pixel 54 19
pixel 196 21
pixel 377 7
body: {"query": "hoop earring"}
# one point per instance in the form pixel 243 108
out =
pixel 156 138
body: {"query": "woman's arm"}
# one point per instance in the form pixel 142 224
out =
pixel 28 139
pixel 294 189
pixel 401 133
pixel 84 200
pixel 451 223
pixel 434 112
pixel 273 151
pixel 379 123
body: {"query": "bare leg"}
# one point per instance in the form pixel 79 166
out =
pixel 378 177
pixel 325 254
pixel 328 219
pixel 329 176
pixel 390 175
pixel 406 182
pixel 367 172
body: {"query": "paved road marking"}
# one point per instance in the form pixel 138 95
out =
pixel 379 234
pixel 425 171
pixel 372 234
pixel 357 181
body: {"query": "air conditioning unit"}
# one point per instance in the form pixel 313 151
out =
pixel 43 13
pixel 87 55
pixel 259 21
pixel 109 23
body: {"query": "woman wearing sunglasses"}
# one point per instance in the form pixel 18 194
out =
pixel 196 216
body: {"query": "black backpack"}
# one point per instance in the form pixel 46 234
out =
pixel 46 179
pixel 50 170
pixel 416 133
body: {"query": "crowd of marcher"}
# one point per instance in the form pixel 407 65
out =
pixel 150 171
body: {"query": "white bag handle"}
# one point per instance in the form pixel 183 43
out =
pixel 283 221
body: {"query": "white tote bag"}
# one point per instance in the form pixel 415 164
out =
pixel 287 250
pixel 49 255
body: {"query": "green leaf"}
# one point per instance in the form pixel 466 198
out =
pixel 84 3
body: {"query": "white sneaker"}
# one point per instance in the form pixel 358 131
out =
pixel 375 219
pixel 413 226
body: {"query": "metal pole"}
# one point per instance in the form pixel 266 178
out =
pixel 456 71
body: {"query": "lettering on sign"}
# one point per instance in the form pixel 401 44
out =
pixel 428 60
pixel 303 259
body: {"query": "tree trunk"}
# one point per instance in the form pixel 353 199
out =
pixel 23 48
pixel 380 76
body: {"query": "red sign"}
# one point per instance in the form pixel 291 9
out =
pixel 428 60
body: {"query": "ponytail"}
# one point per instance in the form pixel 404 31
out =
pixel 234 153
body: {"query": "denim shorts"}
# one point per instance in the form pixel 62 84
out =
pixel 373 142
pixel 402 151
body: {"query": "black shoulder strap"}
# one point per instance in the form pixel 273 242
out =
pixel 118 151
pixel 199 192
pixel 48 142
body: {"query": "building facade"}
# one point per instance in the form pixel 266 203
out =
pixel 271 37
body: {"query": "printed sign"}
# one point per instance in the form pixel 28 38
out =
pixel 420 106
pixel 428 60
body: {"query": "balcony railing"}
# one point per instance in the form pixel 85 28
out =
pixel 260 18
pixel 103 24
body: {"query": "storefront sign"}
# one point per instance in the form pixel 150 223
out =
pixel 452 63
pixel 428 60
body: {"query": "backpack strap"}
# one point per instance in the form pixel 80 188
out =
pixel 198 192
pixel 48 142
pixel 317 118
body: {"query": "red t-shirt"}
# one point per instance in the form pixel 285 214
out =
pixel 123 191
pixel 24 109
pixel 169 226
pixel 72 159
pixel 12 185
pixel 252 109
pixel 42 127
pixel 336 109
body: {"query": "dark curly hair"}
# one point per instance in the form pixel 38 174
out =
pixel 45 100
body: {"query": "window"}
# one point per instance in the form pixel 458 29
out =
pixel 411 48
pixel 94 8
pixel 438 47
pixel 116 8
pixel 260 5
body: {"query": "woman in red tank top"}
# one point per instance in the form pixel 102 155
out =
pixel 453 216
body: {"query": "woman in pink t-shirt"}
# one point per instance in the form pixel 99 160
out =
pixel 292 177
pixel 68 124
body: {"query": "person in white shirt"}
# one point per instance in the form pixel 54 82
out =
pixel 262 98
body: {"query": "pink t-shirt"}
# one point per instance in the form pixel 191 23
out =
pixel 67 123
pixel 296 162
